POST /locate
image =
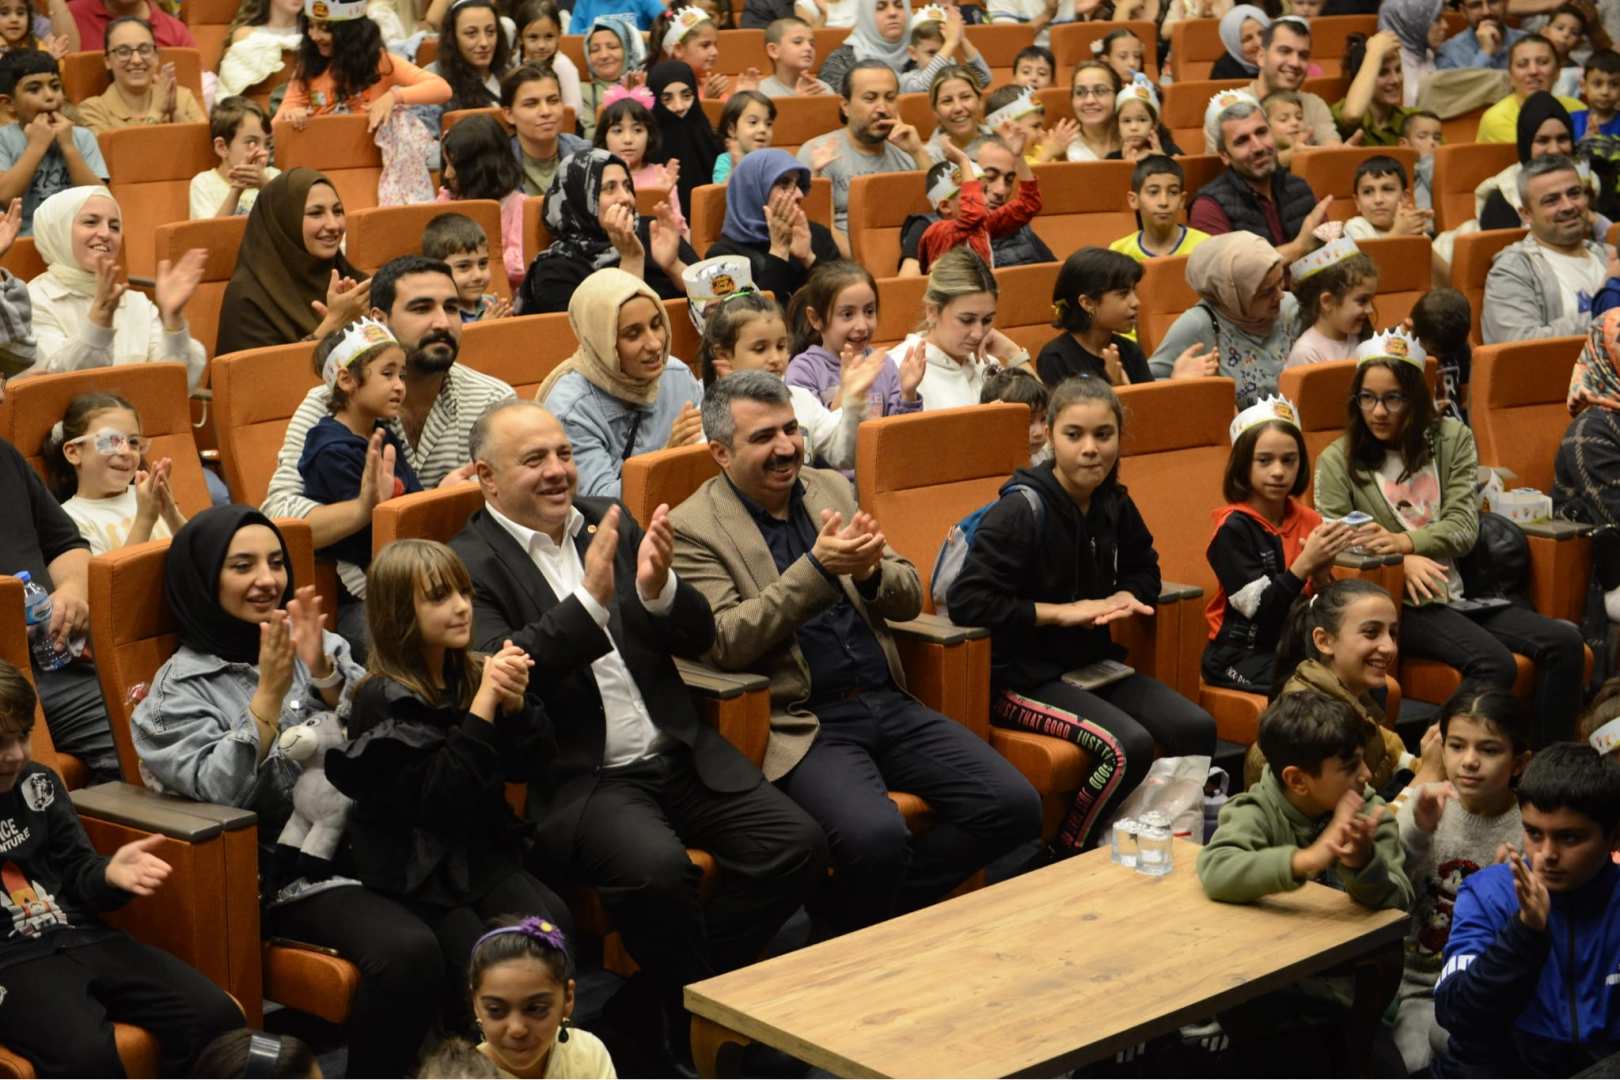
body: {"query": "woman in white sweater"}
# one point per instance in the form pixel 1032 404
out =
pixel 83 317
pixel 958 335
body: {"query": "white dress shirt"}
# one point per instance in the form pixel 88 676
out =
pixel 631 734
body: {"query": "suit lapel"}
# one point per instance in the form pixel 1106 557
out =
pixel 518 564
pixel 740 526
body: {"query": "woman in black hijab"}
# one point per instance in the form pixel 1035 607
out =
pixel 252 665
pixel 684 127
pixel 1544 128
pixel 590 212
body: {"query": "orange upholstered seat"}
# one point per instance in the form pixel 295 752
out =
pixel 340 148
pixel 1471 264
pixel 377 234
pixel 1404 275
pixel 1459 168
pixel 1331 170
pixel 256 393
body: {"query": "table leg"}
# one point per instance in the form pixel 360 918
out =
pixel 710 1052
pixel 1378 977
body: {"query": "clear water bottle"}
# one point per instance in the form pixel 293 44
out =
pixel 37 611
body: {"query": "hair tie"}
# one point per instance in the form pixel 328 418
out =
pixel 533 928
pixel 1096 46
pixel 57 434
pixel 618 93
pixel 1060 306
pixel 1313 600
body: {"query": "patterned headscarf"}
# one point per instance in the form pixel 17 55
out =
pixel 572 203
pixel 1595 380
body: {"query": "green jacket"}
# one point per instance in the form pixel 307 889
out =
pixel 1251 854
pixel 1339 491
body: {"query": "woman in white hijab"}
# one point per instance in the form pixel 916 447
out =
pixel 882 32
pixel 83 317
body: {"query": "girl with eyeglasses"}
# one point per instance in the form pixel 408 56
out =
pixel 1414 472
pixel 95 458
pixel 144 90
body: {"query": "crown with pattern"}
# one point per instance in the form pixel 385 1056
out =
pixel 1223 101
pixel 1135 91
pixel 357 338
pixel 713 280
pixel 948 185
pixel 1022 105
pixel 335 10
pixel 1322 258
pixel 1267 408
pixel 1393 344
pixel 1606 738
pixel 929 13
pixel 685 21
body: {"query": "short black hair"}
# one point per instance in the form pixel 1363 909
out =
pixel 1382 165
pixel 1156 165
pixel 778 28
pixel 1573 776
pixel 226 119
pixel 1429 114
pixel 1495 706
pixel 17 64
pixel 1443 317
pixel 1295 25
pixel 525 73
pixel 385 280
pixel 1036 52
pixel 18 700
pixel 846 85
pixel 452 234
pixel 1089 272
pixel 1604 60
pixel 1573 11
pixel 1305 728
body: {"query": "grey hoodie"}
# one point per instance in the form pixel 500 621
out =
pixel 1522 297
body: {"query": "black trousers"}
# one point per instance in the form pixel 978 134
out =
pixel 58 1010
pixel 631 847
pixel 78 719
pixel 1483 649
pixel 401 966
pixel 883 740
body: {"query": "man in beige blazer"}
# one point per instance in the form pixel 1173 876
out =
pixel 801 584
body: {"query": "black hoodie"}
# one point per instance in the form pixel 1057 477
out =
pixel 1017 561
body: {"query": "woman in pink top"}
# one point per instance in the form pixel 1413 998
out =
pixel 342 63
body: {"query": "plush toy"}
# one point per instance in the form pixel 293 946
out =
pixel 319 809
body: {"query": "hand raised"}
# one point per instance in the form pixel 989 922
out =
pixel 1534 901
pixel 599 557
pixel 656 554
pixel 304 612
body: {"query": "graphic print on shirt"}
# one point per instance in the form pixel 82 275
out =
pixel 1416 500
pixel 38 792
pixel 31 908
pixel 1436 928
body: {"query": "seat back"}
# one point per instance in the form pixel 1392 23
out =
pixel 1082 204
pixel 800 119
pixel 1184 105
pixel 1070 43
pixel 261 90
pixel 14 649
pixel 1195 45
pixel 24 260
pixel 1200 170
pixel 999 43
pixel 1162 295
pixel 134 629
pixel 536 237
pixel 85 74
pixel 453 117
pixel 664 477
pixel 1024 304
pixel 1172 458
pixel 1516 405
pixel 1463 129
pixel 741 50
pixel 220 238
pixel 1461 167
pixel 437 514
pixel 340 148
pixel 878 206
pixel 209 22
pixel 256 392
pixel 1321 397
pixel 921 473
pixel 377 234
pixel 158 392
pixel 916 110
pixel 1330 38
pixel 151 168
pixel 1403 274
pixel 520 351
pixel 1471 258
pixel 1056 102
pixel 708 215
pixel 900 304
pixel 1331 170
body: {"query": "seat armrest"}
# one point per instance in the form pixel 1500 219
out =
pixel 1170 592
pixel 719 684
pixel 1350 560
pixel 1555 529
pixel 229 818
pixel 936 630
pixel 144 816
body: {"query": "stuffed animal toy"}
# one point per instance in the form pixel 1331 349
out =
pixel 319 809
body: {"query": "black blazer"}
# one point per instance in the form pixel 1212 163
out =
pixel 513 600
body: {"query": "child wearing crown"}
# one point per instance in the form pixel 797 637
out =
pixel 353 458
pixel 1414 472
pixel 958 197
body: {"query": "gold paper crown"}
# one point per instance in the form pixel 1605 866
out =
pixel 1394 344
pixel 357 338
pixel 335 10
pixel 684 22
pixel 1267 408
pixel 1322 258
pixel 1223 101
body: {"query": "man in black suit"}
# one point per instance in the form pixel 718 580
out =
pixel 638 776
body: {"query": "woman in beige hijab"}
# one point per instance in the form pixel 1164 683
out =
pixel 1244 315
pixel 620 393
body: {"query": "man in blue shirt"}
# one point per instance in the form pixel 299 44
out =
pixel 586 11
pixel 1485 43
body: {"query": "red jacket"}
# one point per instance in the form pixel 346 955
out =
pixel 976 226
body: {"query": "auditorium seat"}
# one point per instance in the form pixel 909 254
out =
pixel 151 168
pixel 378 234
pixel 878 206
pixel 1459 130
pixel 1403 275
pixel 1024 305
pixel 256 392
pixel 1329 40
pixel 85 74
pixel 1083 204
pixel 1184 105
pixel 1459 168
pixel 916 110
pixel 1162 295
pixel 536 237
pixel 900 309
pixel 1056 102
pixel 741 50
pixel 209 22
pixel 999 44
pixel 220 238
pixel 24 260
pixel 340 148
pixel 1195 45
pixel 521 351
pixel 1331 170
pixel 1200 170
pixel 709 213
pixel 1471 259
pixel 1071 43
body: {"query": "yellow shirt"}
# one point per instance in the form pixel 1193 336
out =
pixel 1132 245
pixel 582 1057
pixel 1501 121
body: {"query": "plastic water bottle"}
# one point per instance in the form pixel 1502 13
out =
pixel 37 608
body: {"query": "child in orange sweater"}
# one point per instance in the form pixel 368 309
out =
pixel 341 61
pixel 960 203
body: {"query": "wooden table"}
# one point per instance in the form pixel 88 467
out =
pixel 1043 973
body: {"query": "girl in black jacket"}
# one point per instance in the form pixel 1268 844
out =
pixel 1047 582
pixel 436 732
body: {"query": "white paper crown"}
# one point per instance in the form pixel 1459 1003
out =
pixel 929 13
pixel 717 278
pixel 949 184
pixel 1223 101
pixel 1322 258
pixel 1606 738
pixel 1022 105
pixel 335 10
pixel 357 338
pixel 1268 408
pixel 685 21
pixel 1391 345
pixel 1137 92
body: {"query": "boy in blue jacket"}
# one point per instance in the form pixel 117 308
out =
pixel 1533 961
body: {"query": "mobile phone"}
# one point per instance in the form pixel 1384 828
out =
pixel 1356 518
pixel 1099 674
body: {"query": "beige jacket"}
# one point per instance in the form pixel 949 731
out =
pixel 757 612
pixel 108 111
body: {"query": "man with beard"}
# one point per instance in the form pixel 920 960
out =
pixel 1253 194
pixel 1555 281
pixel 873 140
pixel 416 298
pixel 803 588
pixel 1285 58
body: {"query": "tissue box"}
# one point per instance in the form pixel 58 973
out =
pixel 1523 505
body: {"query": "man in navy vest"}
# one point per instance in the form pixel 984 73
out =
pixel 1253 194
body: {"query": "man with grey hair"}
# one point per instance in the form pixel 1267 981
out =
pixel 1253 194
pixel 1555 281
pixel 803 587
pixel 637 777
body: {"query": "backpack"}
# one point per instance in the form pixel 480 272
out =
pixel 954 551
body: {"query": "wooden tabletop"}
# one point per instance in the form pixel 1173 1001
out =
pixel 1039 974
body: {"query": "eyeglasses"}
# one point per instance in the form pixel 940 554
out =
pixel 1094 91
pixel 109 441
pixel 1368 401
pixel 123 52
